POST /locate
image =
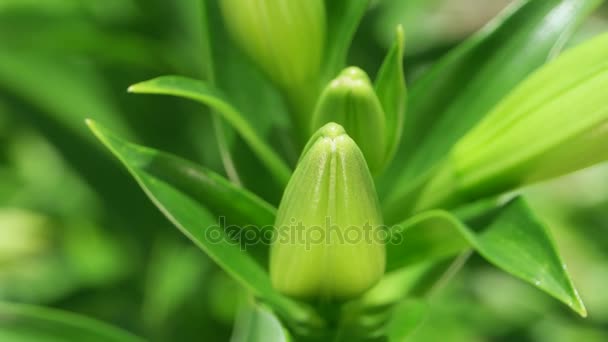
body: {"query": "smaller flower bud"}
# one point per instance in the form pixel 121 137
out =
pixel 350 100
pixel 285 38
pixel 328 243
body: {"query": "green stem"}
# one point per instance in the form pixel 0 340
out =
pixel 218 124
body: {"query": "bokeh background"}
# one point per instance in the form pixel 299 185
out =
pixel 77 234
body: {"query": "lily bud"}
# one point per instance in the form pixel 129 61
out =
pixel 329 243
pixel 553 123
pixel 284 37
pixel 350 100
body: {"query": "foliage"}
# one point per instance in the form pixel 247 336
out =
pixel 502 110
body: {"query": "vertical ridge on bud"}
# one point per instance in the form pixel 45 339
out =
pixel 329 242
pixel 350 100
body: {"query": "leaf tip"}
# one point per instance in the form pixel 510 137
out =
pixel 578 306
pixel 133 88
pixel 138 87
pixel 92 125
pixel 96 129
pixel 399 32
pixel 582 311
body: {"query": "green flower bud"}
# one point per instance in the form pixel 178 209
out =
pixel 553 123
pixel 350 100
pixel 284 37
pixel 329 242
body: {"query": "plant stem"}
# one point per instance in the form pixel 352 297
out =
pixel 218 124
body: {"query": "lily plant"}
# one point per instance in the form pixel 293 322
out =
pixel 363 195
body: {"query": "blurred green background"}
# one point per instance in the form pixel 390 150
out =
pixel 76 233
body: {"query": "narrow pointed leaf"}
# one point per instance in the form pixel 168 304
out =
pixel 28 323
pixel 217 194
pixel 391 90
pixel 457 92
pixel 200 91
pixel 515 241
pixel 169 190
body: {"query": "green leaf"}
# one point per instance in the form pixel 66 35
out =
pixel 406 317
pixel 255 97
pixel 258 324
pixel 457 92
pixel 21 323
pixel 200 91
pixel 220 197
pixel 391 90
pixel 343 17
pixel 170 183
pixel 515 241
pixel 247 88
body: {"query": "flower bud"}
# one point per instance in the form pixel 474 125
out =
pixel 553 123
pixel 350 100
pixel 328 243
pixel 284 37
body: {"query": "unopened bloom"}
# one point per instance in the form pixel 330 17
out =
pixel 350 100
pixel 329 242
pixel 547 127
pixel 284 37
